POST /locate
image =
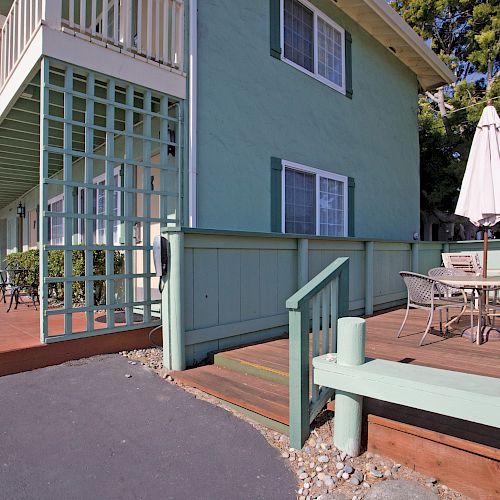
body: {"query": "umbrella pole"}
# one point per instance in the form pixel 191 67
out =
pixel 485 251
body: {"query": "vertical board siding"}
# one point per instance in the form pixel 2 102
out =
pixel 188 289
pixel 206 288
pixel 388 261
pixel 268 271
pixel 229 286
pixel 250 280
pixel 233 281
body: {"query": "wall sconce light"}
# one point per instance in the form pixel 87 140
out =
pixel 21 210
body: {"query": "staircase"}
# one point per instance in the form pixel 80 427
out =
pixel 251 379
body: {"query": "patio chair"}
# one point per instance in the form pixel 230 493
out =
pixel 4 284
pixel 447 291
pixel 467 262
pixel 426 293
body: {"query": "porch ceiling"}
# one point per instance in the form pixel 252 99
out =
pixel 20 145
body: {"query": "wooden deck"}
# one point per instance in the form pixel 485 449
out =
pixel 269 361
pixel 21 349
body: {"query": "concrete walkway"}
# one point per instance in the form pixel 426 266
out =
pixel 83 430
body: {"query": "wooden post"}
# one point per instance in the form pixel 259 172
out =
pixel 348 406
pixel 414 257
pixel 302 262
pixel 172 307
pixel 369 253
pixel 299 375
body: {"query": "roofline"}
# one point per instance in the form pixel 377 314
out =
pixel 404 31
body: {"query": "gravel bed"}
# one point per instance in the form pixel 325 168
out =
pixel 322 471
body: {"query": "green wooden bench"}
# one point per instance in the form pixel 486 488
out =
pixel 468 397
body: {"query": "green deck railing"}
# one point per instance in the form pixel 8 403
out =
pixel 473 398
pixel 324 299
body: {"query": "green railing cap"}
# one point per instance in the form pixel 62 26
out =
pixel 317 283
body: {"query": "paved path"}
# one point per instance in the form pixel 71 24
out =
pixel 83 430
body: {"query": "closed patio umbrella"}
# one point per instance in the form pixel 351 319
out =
pixel 479 198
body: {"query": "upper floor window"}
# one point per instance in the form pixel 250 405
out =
pixel 314 201
pixel 313 43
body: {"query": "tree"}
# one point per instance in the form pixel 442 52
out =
pixel 465 34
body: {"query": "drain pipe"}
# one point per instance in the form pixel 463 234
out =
pixel 193 109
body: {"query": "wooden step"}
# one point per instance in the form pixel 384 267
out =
pixel 262 397
pixel 267 361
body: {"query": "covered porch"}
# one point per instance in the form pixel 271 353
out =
pixel 91 167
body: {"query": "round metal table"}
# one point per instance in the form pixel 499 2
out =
pixel 482 286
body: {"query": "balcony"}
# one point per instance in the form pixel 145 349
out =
pixel 140 41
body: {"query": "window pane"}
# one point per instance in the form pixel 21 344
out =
pixel 299 34
pixel 329 52
pixel 331 204
pixel 56 224
pixel 300 202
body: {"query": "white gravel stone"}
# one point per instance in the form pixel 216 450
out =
pixel 340 465
pixel 328 481
pixel 303 476
pixel 345 475
pixel 323 459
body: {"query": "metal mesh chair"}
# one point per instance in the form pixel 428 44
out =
pixel 426 293
pixel 448 291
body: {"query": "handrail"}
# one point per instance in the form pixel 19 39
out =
pixel 323 299
pixel 317 283
pixel 18 29
pixel 152 29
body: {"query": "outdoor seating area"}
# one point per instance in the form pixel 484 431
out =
pixel 461 284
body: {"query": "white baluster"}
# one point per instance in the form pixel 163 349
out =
pixel 157 29
pixel 173 36
pixel 149 48
pixel 180 35
pixel 71 20
pixel 116 26
pixel 139 26
pixel 166 31
pixel 83 16
pixel 93 18
pixel 104 30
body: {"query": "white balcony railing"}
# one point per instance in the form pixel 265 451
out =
pixel 18 28
pixel 149 29
pixel 153 29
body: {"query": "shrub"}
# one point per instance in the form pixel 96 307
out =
pixel 31 259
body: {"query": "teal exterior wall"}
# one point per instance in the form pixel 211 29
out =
pixel 253 107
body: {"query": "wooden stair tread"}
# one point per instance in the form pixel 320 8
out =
pixel 271 356
pixel 264 397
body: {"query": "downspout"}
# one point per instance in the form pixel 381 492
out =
pixel 193 111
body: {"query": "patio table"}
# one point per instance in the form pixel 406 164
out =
pixel 482 286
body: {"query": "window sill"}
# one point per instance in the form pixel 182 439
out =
pixel 318 78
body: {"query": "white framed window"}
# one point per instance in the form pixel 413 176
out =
pixel 313 43
pixel 313 201
pixel 56 224
pixel 99 208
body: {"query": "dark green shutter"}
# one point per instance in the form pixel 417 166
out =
pixel 348 64
pixel 276 169
pixel 350 207
pixel 275 17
